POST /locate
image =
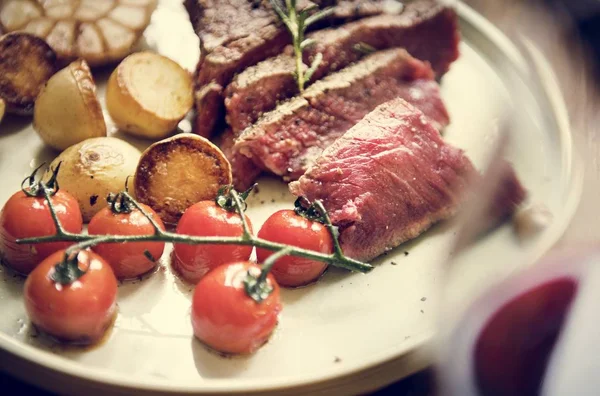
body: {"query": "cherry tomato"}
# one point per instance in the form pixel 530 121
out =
pixel 206 218
pixel 225 318
pixel 287 227
pixel 77 312
pixel 127 259
pixel 23 217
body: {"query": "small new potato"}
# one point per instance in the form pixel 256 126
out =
pixel 67 110
pixel 94 168
pixel 148 94
pixel 26 64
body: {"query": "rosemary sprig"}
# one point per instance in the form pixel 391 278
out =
pixel 84 241
pixel 297 21
pixel 363 48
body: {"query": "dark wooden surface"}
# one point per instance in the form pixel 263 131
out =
pixel 419 384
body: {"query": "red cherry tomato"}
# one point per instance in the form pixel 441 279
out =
pixel 287 227
pixel 78 312
pixel 24 217
pixel 206 218
pixel 127 259
pixel 225 318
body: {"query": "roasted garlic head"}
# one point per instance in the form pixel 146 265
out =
pixel 98 31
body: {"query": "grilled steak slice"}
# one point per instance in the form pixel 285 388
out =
pixel 243 169
pixel 219 22
pixel 391 177
pixel 288 139
pixel 258 89
pixel 387 180
pixel 235 34
pixel 427 29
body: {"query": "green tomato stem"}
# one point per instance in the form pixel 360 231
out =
pixel 257 288
pixel 83 241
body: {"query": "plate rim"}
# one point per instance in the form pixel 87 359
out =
pixel 69 368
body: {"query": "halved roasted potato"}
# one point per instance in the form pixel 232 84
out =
pixel 148 94
pixel 175 173
pixel 67 110
pixel 26 63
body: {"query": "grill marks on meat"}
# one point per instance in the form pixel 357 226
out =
pixel 351 9
pixel 287 140
pixel 387 180
pixel 258 89
pixel 235 34
pixel 427 29
pixel 219 22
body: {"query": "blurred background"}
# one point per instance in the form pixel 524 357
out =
pixel 568 33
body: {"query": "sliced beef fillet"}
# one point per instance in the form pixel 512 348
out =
pixel 427 29
pixel 387 180
pixel 235 34
pixel 243 169
pixel 288 139
pixel 258 89
pixel 390 178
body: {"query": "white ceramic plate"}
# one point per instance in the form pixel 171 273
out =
pixel 346 322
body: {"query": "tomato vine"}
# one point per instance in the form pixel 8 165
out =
pixel 84 241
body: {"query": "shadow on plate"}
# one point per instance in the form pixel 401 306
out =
pixel 142 286
pixel 292 296
pixel 13 124
pixel 210 364
pixel 139 143
pixel 45 154
pixel 12 282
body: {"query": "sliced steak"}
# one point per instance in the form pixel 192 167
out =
pixel 243 169
pixel 391 177
pixel 288 139
pixel 427 29
pixel 235 34
pixel 387 180
pixel 219 22
pixel 258 89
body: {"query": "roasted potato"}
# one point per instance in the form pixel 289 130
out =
pixel 92 169
pixel 148 94
pixel 26 63
pixel 177 172
pixel 67 110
